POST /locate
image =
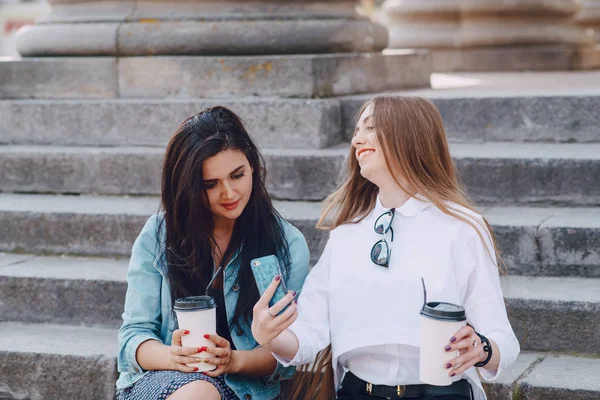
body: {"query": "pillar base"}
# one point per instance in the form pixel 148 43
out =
pixel 532 58
pixel 141 28
pixel 485 35
pixel 176 77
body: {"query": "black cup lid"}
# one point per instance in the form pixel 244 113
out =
pixel 195 303
pixel 443 311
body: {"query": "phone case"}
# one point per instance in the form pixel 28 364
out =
pixel 265 269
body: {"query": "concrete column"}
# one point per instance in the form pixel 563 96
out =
pixel 425 24
pixel 209 48
pixel 589 17
pixel 485 35
pixel 200 27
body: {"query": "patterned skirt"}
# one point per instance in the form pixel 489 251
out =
pixel 161 384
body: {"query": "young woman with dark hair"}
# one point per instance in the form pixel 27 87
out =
pixel 216 212
pixel 399 216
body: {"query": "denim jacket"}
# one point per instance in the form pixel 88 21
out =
pixel 148 310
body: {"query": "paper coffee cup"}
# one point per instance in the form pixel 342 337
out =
pixel 197 314
pixel 439 322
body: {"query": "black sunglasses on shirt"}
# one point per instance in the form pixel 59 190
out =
pixel 381 251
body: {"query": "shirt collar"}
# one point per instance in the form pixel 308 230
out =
pixel 413 206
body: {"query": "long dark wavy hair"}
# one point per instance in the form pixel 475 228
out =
pixel 188 219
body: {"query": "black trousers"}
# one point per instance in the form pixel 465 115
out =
pixel 347 394
pixel 344 395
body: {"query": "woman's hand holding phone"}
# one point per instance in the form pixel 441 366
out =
pixel 266 323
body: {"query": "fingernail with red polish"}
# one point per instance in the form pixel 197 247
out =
pixel 294 293
pixel 452 374
pixel 207 336
pixel 201 349
pixel 204 373
pixel 452 339
pixel 186 332
pixel 447 348
pixel 195 369
pixel 277 278
pixel 448 365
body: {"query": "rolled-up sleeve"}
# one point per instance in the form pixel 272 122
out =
pixel 483 298
pixel 312 326
pixel 141 317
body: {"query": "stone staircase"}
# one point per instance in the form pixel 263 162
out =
pixel 80 161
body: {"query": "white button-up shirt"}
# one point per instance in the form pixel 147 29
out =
pixel 370 314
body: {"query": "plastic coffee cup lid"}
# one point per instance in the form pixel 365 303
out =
pixel 443 311
pixel 195 303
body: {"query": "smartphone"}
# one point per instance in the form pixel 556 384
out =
pixel 265 269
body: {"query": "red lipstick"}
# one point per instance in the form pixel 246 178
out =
pixel 230 206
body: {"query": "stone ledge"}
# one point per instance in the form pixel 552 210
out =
pixel 544 376
pixel 58 78
pixel 107 226
pixel 480 113
pixel 285 76
pixel 303 76
pixel 63 290
pixel 292 123
pixel 534 376
pixel 50 361
pixel 469 114
pixel 534 58
pixel 493 173
pixel 563 377
pixel 505 387
pixel 544 312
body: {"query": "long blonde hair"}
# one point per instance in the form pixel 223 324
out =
pixel 411 134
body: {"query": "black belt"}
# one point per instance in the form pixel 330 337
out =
pixel 354 384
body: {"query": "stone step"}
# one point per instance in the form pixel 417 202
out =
pixel 492 115
pixel 495 173
pixel 533 241
pixel 62 289
pixel 300 76
pixel 104 225
pixel 519 106
pixel 66 363
pixel 545 312
pixel 292 123
pixel 548 376
pixel 42 361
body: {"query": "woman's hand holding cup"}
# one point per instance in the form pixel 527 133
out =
pixel 266 323
pixel 224 358
pixel 180 356
pixel 470 349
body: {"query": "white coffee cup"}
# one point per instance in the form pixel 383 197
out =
pixel 197 314
pixel 439 322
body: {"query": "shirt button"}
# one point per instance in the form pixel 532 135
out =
pixel 248 397
pixel 235 287
pixel 240 332
pixel 256 264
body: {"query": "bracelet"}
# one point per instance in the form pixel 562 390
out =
pixel 487 347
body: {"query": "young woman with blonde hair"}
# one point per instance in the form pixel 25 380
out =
pixel 400 215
